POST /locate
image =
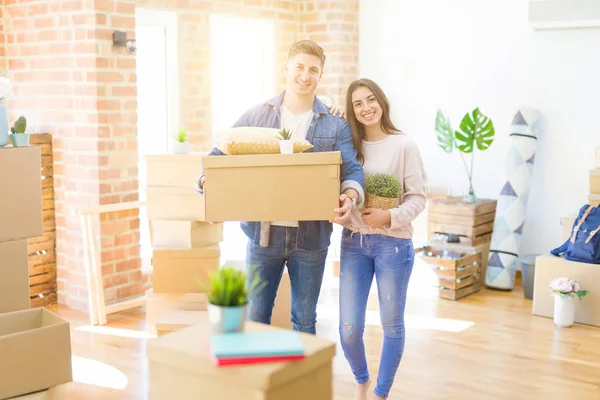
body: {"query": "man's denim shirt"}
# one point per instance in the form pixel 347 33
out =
pixel 325 133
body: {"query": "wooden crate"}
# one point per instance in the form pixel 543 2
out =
pixel 473 223
pixel 456 277
pixel 42 249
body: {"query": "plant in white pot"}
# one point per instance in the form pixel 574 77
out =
pixel 19 136
pixel 476 130
pixel 286 144
pixel 564 291
pixel 228 299
pixel 181 144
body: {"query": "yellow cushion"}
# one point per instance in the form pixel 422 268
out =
pixel 253 140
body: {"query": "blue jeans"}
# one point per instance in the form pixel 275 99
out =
pixel 306 275
pixel 390 260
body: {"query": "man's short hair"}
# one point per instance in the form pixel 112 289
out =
pixel 307 47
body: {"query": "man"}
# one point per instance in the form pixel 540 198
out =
pixel 301 244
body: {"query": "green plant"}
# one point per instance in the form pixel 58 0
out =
pixel 284 134
pixel 20 125
pixel 182 135
pixel 228 287
pixel 476 130
pixel 383 185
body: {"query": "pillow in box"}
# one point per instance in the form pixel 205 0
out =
pixel 254 140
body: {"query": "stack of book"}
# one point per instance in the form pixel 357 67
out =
pixel 256 347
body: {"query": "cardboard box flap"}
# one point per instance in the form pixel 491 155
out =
pixel 19 321
pixel 201 252
pixel 269 160
pixel 186 349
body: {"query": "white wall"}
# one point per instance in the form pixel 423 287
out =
pixel 459 54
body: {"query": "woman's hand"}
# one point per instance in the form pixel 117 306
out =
pixel 336 110
pixel 375 217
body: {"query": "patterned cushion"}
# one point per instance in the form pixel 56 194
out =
pixel 252 140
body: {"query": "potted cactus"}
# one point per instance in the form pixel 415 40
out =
pixel 286 144
pixel 181 144
pixel 382 191
pixel 19 136
pixel 228 299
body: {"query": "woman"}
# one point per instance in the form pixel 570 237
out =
pixel 378 242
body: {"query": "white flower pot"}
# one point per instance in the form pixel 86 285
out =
pixel 286 146
pixel 564 310
pixel 181 148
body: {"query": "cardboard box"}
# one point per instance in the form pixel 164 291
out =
pixel 184 234
pixel 184 271
pixel 595 181
pixel 14 276
pixel 36 352
pixel 161 305
pixel 272 187
pixel 176 320
pixel 548 267
pixel 566 227
pixel 170 187
pixel 594 200
pixel 282 311
pixel 21 183
pixel 181 368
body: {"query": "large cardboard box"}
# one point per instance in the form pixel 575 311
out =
pixel 595 181
pixel 594 200
pixel 548 267
pixel 162 305
pixel 185 234
pixel 282 311
pixel 14 276
pixel 181 368
pixel 21 183
pixel 35 349
pixel 170 193
pixel 272 187
pixel 184 271
pixel 566 227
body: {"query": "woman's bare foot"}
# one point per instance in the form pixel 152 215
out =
pixel 362 390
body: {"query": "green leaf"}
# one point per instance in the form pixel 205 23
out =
pixel 445 137
pixel 475 129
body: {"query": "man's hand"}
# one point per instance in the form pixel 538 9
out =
pixel 375 217
pixel 344 209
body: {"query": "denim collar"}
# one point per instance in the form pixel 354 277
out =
pixel 318 106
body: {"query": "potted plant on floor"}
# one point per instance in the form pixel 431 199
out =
pixel 228 299
pixel 19 136
pixel 181 144
pixel 286 144
pixel 476 130
pixel 564 291
pixel 382 191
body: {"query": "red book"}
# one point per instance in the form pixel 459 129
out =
pixel 225 361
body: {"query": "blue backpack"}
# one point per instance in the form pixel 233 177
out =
pixel 584 243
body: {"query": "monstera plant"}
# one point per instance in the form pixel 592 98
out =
pixel 476 131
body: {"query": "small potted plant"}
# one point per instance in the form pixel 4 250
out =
pixel 286 144
pixel 181 144
pixel 564 291
pixel 382 191
pixel 19 136
pixel 228 299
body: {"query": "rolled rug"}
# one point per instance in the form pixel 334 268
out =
pixel 512 203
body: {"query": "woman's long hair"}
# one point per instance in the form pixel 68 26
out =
pixel 358 129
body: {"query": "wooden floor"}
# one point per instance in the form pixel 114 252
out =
pixel 487 346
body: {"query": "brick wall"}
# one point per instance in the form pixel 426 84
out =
pixel 71 82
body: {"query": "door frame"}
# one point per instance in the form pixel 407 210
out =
pixel 168 21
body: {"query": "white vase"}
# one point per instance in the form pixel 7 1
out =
pixel 181 147
pixel 286 146
pixel 564 310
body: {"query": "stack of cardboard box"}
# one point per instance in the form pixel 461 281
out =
pixel 185 248
pixel 548 267
pixel 35 344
